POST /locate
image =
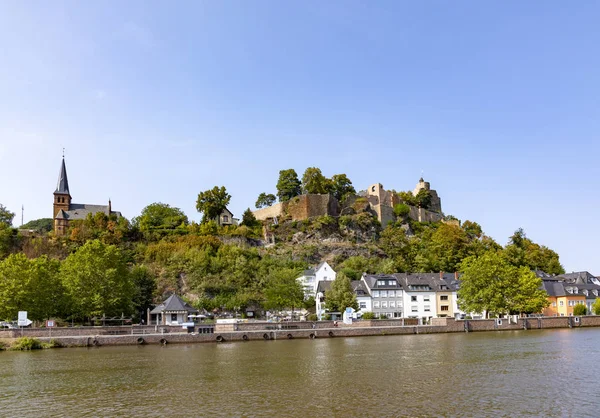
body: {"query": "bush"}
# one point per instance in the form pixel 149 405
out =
pixel 312 317
pixel 383 316
pixel 579 310
pixel 368 315
pixel 401 210
pixel 327 317
pixel 26 343
pixel 596 307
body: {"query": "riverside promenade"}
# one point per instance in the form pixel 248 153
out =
pixel 266 331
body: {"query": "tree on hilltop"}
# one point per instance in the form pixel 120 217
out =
pixel 314 182
pixel 288 185
pixel 341 187
pixel 248 219
pixel 265 200
pixel 6 216
pixel 212 203
pixel 160 216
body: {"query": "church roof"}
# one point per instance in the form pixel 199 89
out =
pixel 81 211
pixel 63 182
pixel 174 304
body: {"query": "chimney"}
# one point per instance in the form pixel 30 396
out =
pixel 441 275
pixel 456 275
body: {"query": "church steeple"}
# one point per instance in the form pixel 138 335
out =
pixel 63 182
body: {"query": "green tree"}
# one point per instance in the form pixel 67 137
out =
pixel 408 198
pixel 212 203
pixel 596 307
pixel 580 310
pixel 283 290
pixel 160 216
pixel 265 200
pixel 314 182
pixel 97 281
pixel 423 198
pixel 8 240
pixel 30 285
pixel 401 210
pixel 473 229
pixel 341 295
pixel 522 251
pixel 248 219
pixel 288 185
pixel 42 225
pixel 144 286
pixel 489 283
pixel 341 187
pixel 6 216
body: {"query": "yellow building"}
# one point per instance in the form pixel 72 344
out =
pixel 563 297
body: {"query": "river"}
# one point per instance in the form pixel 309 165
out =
pixel 511 373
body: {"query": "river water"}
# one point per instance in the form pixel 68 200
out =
pixel 510 373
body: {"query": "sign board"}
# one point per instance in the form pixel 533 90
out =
pixel 50 324
pixel 22 320
pixel 348 316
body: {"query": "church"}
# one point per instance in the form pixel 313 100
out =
pixel 65 211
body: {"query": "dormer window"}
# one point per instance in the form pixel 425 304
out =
pixel 225 218
pixel 595 292
pixel 585 292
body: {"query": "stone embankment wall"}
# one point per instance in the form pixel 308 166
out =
pixel 88 331
pixel 323 329
pixel 257 326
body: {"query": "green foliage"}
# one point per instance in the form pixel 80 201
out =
pixel 341 187
pixel 340 296
pixel 521 251
pixel 212 203
pixel 423 199
pixel 489 283
pixel 580 309
pixel 312 317
pixel 248 219
pixel 97 281
pixel 265 200
pixel 26 344
pixel 6 216
pixel 144 287
pixel 382 316
pixel 41 225
pixel 408 198
pixel 368 315
pixel 288 185
pixel 283 290
pixel 401 210
pixel 160 216
pixel 8 240
pixel 314 182
pixel 30 285
pixel 596 307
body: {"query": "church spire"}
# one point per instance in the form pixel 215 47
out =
pixel 63 183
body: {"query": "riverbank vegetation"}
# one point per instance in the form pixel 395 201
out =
pixel 110 267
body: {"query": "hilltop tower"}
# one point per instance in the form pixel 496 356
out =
pixel 436 202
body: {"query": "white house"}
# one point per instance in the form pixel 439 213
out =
pixel 365 302
pixel 310 278
pixel 419 296
pixel 386 293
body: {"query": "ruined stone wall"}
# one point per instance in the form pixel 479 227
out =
pixel 270 212
pixel 424 215
pixel 312 205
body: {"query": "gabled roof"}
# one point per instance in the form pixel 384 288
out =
pixel 80 211
pixel 580 277
pixel 359 288
pixel 324 285
pixel 554 288
pixel 174 304
pixel 62 186
pixel 372 281
pixel 321 265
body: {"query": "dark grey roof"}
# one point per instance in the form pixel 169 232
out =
pixel 61 215
pixel 308 272
pixel 324 285
pixel 81 211
pixel 554 288
pixel 359 288
pixel 580 277
pixel 372 281
pixel 174 304
pixel 63 183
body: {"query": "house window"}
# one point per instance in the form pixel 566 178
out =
pixel 375 293
pixel 380 282
pixel 392 304
pixel 376 304
pixel 391 294
pixel 425 298
pixel 363 305
pixel 444 297
pixel 427 308
pixel 413 298
pixel 554 304
pixel 173 317
pixel 225 218
pixel 390 282
pixel 384 294
pixel 445 308
pixel 561 303
pixel 414 309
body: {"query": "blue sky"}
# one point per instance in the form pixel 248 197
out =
pixel 497 102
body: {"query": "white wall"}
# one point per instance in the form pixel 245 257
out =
pixel 325 273
pixel 420 304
